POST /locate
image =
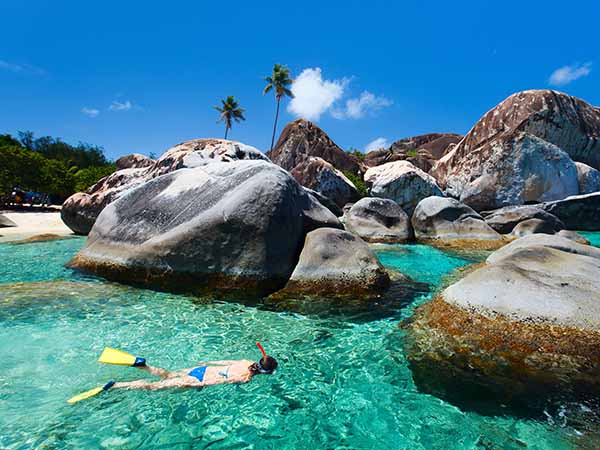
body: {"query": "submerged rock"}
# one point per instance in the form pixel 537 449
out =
pixel 401 182
pixel 320 176
pixel 446 219
pixel 578 212
pixel 378 220
pixel 336 263
pixel 504 220
pixel 79 212
pixel 522 328
pixel 222 228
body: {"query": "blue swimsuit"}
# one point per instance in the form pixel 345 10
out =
pixel 198 373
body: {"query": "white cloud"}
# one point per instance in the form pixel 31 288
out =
pixel 313 95
pixel 357 108
pixel 120 106
pixel 21 68
pixel 90 112
pixel 567 74
pixel 377 144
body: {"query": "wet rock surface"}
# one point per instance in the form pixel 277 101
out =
pixel 336 263
pixel 520 329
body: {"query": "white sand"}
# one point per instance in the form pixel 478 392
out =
pixel 32 224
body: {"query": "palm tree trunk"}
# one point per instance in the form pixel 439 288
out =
pixel 275 126
pixel 226 130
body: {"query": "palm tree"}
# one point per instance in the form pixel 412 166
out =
pixel 230 111
pixel 279 82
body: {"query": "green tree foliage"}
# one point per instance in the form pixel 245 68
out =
pixel 356 152
pixel 49 166
pixel 230 111
pixel 411 152
pixel 358 183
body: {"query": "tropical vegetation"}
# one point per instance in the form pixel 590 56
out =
pixel 279 82
pixel 230 111
pixel 358 183
pixel 49 165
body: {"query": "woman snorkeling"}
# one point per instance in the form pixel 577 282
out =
pixel 206 374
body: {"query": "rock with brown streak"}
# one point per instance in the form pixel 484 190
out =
pixel 522 328
pixel 521 151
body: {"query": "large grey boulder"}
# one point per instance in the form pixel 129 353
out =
pixel 578 212
pixel 588 178
pixel 5 222
pixel 519 151
pixel 317 174
pixel 378 220
pixel 524 326
pixel 504 220
pixel 401 182
pixel 336 263
pixel 235 227
pixel 443 219
pixel 326 202
pixel 80 211
pixel 534 226
pixel 520 168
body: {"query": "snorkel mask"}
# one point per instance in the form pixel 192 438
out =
pixel 261 368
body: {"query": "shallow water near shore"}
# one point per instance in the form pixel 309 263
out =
pixel 342 383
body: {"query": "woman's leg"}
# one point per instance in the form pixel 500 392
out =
pixel 156 371
pixel 155 385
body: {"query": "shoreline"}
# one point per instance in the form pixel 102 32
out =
pixel 30 224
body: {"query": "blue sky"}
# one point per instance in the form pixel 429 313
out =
pixel 150 72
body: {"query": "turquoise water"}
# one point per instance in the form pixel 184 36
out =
pixel 343 381
pixel 592 236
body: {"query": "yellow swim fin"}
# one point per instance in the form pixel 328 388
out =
pixel 91 392
pixel 120 358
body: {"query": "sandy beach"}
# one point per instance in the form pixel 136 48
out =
pixel 31 224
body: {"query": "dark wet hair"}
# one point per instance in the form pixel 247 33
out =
pixel 266 365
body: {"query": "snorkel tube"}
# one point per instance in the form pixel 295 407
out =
pixel 261 368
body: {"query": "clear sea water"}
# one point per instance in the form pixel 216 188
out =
pixel 343 380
